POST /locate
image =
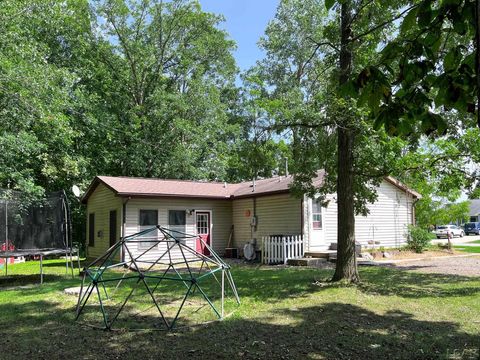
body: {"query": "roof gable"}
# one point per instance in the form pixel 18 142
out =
pixel 474 207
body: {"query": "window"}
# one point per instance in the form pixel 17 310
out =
pixel 148 219
pixel 177 220
pixel 91 229
pixel 202 224
pixel 316 215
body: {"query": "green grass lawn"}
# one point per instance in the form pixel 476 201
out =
pixel 468 249
pixel 285 313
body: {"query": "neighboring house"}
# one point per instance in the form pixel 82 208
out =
pixel 474 210
pixel 121 206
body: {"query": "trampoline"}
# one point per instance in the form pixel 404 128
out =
pixel 35 229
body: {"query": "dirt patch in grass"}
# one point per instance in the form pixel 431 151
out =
pixel 462 266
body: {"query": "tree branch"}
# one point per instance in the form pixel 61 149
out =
pixel 323 43
pixel 382 24
pixel 131 60
pixel 300 125
pixel 302 67
pixel 24 10
pixel 360 9
pixel 434 161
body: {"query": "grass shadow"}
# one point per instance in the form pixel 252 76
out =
pixel 333 331
pixel 32 279
pixel 410 284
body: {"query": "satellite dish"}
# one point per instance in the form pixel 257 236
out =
pixel 249 251
pixel 76 191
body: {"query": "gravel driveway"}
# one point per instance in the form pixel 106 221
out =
pixel 464 266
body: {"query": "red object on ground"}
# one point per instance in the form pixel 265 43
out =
pixel 9 260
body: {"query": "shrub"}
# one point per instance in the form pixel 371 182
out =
pixel 418 238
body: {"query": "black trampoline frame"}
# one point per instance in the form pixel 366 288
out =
pixel 69 251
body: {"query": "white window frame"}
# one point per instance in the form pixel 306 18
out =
pixel 211 225
pixel 145 245
pixel 317 213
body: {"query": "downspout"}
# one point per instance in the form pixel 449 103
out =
pixel 253 227
pixel 124 220
pixel 301 217
pixel 413 211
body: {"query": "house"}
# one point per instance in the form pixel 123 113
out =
pixel 121 206
pixel 474 210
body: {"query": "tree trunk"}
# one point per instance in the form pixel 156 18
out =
pixel 346 266
pixel 477 56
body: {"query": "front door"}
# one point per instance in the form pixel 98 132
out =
pixel 203 231
pixel 113 227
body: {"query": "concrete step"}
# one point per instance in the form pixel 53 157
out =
pixel 320 254
pixel 360 261
pixel 306 261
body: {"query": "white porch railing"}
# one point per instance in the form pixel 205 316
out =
pixel 278 249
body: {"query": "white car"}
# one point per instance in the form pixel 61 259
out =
pixel 444 229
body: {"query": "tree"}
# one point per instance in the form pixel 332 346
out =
pixel 427 85
pixel 140 88
pixel 475 194
pixel 255 152
pixel 311 56
pixel 429 71
pixel 36 132
pixel 440 169
pixel 166 66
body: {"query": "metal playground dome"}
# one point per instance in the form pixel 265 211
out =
pixel 150 277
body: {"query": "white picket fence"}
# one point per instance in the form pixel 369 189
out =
pixel 278 249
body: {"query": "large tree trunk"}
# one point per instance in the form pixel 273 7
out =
pixel 477 56
pixel 346 266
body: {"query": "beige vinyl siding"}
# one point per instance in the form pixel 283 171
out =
pixel 387 221
pixel 101 202
pixel 241 222
pixel 276 214
pixel 221 218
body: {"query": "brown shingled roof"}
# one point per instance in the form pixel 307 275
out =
pixel 271 185
pixel 145 187
pixel 148 187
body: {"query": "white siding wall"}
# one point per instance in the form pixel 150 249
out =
pixel 221 219
pixel 387 221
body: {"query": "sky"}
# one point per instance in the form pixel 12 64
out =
pixel 245 21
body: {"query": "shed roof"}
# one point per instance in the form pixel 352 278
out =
pixel 150 187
